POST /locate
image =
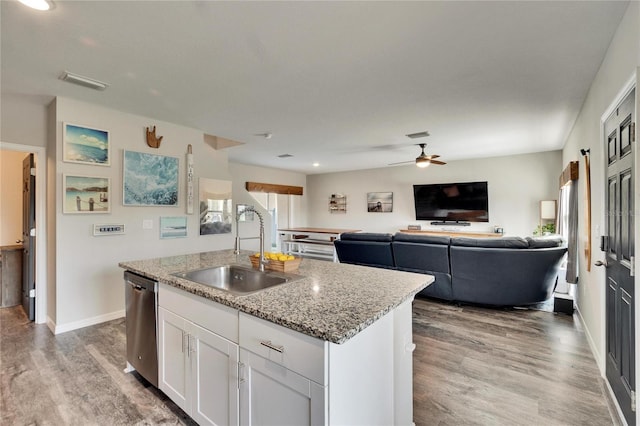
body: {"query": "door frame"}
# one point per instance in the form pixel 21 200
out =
pixel 41 223
pixel 632 83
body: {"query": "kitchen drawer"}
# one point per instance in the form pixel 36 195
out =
pixel 215 317
pixel 295 351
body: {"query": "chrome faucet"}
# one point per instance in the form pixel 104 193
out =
pixel 236 249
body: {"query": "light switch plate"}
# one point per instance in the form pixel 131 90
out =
pixel 147 224
pixel 108 229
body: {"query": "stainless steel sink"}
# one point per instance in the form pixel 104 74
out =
pixel 239 280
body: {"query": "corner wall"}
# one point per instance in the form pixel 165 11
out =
pixel 618 67
pixel 516 186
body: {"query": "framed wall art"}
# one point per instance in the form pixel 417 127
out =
pixel 86 194
pixel 216 214
pixel 173 227
pixel 149 180
pixel 85 145
pixel 380 202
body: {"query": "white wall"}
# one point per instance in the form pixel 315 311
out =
pixel 23 119
pixel 10 196
pixel 243 173
pixel 85 282
pixel 619 65
pixel 516 186
pixel 88 281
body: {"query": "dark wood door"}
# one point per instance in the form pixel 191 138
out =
pixel 620 312
pixel 28 236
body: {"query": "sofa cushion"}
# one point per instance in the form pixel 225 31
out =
pixel 544 242
pixel 363 252
pixel 421 239
pixel 366 236
pixel 505 242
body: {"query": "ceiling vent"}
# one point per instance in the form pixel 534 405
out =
pixel 83 81
pixel 285 155
pixel 418 135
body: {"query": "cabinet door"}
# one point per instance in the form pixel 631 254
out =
pixel 272 395
pixel 214 364
pixel 172 357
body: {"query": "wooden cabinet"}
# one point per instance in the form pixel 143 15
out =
pixel 337 203
pixel 454 233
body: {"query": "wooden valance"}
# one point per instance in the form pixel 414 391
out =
pixel 569 173
pixel 273 188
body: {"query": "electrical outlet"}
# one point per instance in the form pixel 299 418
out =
pixel 108 229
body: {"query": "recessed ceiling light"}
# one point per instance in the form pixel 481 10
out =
pixel 83 81
pixel 316 164
pixel 38 4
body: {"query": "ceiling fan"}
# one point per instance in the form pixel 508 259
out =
pixel 423 160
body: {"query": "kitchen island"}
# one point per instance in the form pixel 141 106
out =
pixel 333 347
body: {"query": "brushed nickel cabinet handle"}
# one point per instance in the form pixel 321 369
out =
pixel 270 345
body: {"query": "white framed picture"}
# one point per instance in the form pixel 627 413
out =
pixel 379 202
pixel 86 194
pixel 85 145
pixel 149 180
pixel 173 227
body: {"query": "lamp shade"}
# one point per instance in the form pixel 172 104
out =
pixel 548 209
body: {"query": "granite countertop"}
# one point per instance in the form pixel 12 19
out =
pixel 332 301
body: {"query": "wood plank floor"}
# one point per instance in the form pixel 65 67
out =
pixel 471 366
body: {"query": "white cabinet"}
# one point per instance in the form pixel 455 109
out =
pixel 198 370
pixel 226 367
pixel 282 375
pixel 273 395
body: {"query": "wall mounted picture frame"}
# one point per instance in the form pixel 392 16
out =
pixel 86 194
pixel 380 202
pixel 85 145
pixel 173 227
pixel 149 179
pixel 216 206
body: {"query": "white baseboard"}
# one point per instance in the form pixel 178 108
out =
pixel 63 328
pixel 51 325
pixel 592 345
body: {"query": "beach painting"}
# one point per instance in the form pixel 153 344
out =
pixel 86 194
pixel 380 202
pixel 85 145
pixel 149 180
pixel 173 227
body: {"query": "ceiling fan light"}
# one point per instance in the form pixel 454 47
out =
pixel 422 162
pixel 38 4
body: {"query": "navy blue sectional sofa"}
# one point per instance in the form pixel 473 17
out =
pixel 508 271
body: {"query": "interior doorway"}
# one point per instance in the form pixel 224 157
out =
pixel 39 234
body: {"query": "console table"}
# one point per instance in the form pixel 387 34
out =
pixel 311 242
pixel 454 233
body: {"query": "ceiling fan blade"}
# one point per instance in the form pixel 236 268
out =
pixel 401 162
pixel 439 163
pixel 433 156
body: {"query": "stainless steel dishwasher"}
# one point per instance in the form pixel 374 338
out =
pixel 141 301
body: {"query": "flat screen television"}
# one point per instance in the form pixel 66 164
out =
pixel 452 202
